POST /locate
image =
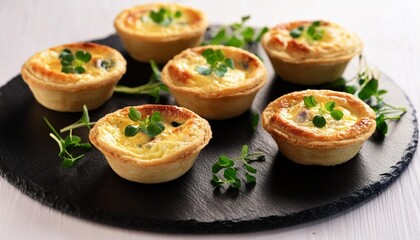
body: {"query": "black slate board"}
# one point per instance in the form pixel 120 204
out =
pixel 285 193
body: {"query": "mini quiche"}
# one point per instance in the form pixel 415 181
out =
pixel 217 82
pixel 66 77
pixel 310 53
pixel 319 127
pixel 160 31
pixel 151 158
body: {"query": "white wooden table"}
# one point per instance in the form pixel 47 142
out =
pixel 391 32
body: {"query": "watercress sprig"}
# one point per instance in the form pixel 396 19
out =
pixel 230 171
pixel 153 87
pixel 219 64
pixel 73 63
pixel 236 35
pixel 319 120
pixel 164 16
pixel 365 85
pixel 151 125
pixel 71 141
pixel 312 32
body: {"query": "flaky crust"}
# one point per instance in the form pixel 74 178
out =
pixel 132 166
pixel 69 92
pixel 310 62
pixel 144 45
pixel 310 147
pixel 210 100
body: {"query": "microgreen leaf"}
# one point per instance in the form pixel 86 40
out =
pixel 250 178
pixel 337 114
pixel 230 170
pixel 350 89
pixel 319 121
pixel 250 169
pixel 295 33
pixel 131 130
pixel 381 125
pixel 151 125
pixel 215 181
pixel 369 90
pixel 74 63
pixel 71 141
pixel 244 151
pixel 221 70
pixel 309 101
pixel 83 56
pixel 216 168
pixel 255 118
pixel 329 106
pixel 230 173
pixel 217 61
pixel 79 70
pixel 236 35
pixel 154 128
pixel 134 114
pixel 152 88
pixel 312 32
pixel 365 85
pixel 225 161
pixel 248 34
pixel 234 42
pixel 164 17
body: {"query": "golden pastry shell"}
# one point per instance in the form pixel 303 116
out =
pixel 221 104
pixel 145 47
pixel 158 170
pixel 64 92
pixel 309 71
pixel 306 147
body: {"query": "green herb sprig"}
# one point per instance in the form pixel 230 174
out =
pixel 236 35
pixel 255 118
pixel 365 85
pixel 71 141
pixel 219 64
pixel 164 17
pixel 314 32
pixel 230 171
pixel 73 63
pixel 153 87
pixel 151 125
pixel 319 120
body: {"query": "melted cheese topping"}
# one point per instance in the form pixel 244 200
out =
pixel 335 43
pixel 137 19
pixel 47 63
pixel 302 116
pixel 93 68
pixel 171 140
pixel 190 78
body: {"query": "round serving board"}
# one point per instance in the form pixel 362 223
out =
pixel 285 193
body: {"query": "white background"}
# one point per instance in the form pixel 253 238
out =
pixel 390 30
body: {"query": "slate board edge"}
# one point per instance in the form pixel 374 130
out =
pixel 233 226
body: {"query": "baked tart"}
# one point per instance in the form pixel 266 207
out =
pixel 66 77
pixel 216 82
pixel 160 31
pixel 151 143
pixel 319 127
pixel 310 53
